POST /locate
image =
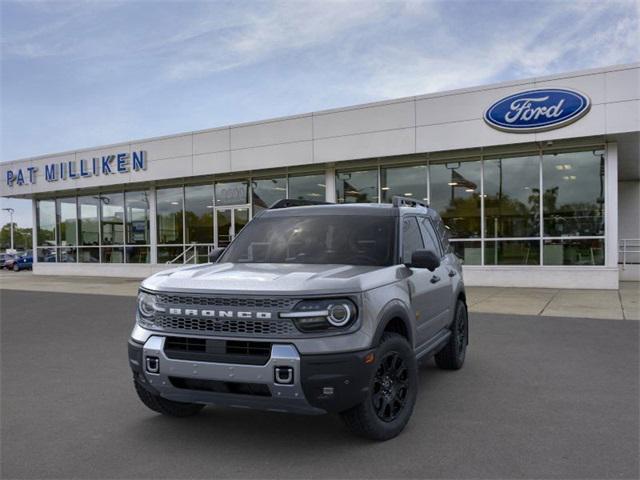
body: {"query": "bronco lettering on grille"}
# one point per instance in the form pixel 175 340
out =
pixel 193 312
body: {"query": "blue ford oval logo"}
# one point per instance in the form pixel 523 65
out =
pixel 537 110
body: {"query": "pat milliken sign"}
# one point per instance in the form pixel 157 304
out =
pixel 105 165
pixel 537 110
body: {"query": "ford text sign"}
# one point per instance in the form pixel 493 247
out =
pixel 537 110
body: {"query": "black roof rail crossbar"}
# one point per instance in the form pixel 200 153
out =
pixel 292 202
pixel 399 201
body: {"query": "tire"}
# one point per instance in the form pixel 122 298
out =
pixel 452 356
pixel 164 406
pixel 16 268
pixel 392 392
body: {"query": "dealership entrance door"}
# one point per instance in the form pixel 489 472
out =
pixel 229 221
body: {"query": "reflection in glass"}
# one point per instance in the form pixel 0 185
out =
pixel 112 218
pixel 574 252
pixel 232 193
pixel 67 212
pixel 112 255
pixel 512 197
pixel 410 182
pixel 455 195
pixel 198 213
pixel 357 187
pixel 88 221
pixel 223 217
pixel 89 255
pixel 512 252
pixel 267 191
pixel 46 217
pixel 573 198
pixel 47 254
pixel 137 254
pixel 67 254
pixel 469 252
pixel 307 187
pixel 137 218
pixel 166 254
pixel 169 207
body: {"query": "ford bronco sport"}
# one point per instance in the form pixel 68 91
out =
pixel 313 308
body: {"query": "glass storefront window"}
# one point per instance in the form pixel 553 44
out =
pixel 167 254
pixel 137 218
pixel 198 213
pixel 112 255
pixel 67 222
pixel 455 195
pixel 469 252
pixel 410 182
pixel 573 252
pixel 169 207
pixel 307 187
pixel 67 254
pixel 267 191
pixel 46 217
pixel 512 252
pixel 232 193
pixel 573 198
pixel 357 187
pixel 88 226
pixel 89 255
pixel 47 254
pixel 112 218
pixel 512 197
pixel 137 254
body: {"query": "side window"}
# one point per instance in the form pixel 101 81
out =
pixel 430 237
pixel 411 238
pixel 443 234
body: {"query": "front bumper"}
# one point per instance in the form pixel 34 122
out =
pixel 319 383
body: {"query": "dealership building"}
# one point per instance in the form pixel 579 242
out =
pixel 536 179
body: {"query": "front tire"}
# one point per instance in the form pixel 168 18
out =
pixel 452 356
pixel 16 268
pixel 392 392
pixel 164 406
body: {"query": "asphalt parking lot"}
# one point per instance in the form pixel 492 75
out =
pixel 539 397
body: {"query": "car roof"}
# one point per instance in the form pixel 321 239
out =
pixel 371 209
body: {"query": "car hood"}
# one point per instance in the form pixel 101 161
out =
pixel 259 278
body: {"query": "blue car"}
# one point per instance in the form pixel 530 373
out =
pixel 23 262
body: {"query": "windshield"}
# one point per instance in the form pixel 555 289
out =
pixel 337 239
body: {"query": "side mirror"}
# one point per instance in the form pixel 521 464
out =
pixel 214 254
pixel 424 259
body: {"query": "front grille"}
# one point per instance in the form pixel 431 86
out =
pixel 264 328
pixel 218 386
pixel 204 301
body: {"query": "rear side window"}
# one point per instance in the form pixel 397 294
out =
pixel 430 238
pixel 443 233
pixel 411 238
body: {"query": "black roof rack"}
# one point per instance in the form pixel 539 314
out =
pixel 292 202
pixel 399 201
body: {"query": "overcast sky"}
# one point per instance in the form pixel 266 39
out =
pixel 81 74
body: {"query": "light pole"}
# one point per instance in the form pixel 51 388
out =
pixel 11 212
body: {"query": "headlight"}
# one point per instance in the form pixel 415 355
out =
pixel 147 308
pixel 320 315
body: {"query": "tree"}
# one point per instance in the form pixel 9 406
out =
pixel 21 237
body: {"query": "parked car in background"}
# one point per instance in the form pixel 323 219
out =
pixel 23 262
pixel 7 260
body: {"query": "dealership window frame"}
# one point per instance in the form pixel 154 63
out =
pixel 481 157
pixel 101 247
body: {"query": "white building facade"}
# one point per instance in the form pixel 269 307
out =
pixel 537 180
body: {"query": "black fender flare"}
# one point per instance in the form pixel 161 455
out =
pixel 394 309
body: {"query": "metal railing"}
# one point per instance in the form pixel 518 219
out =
pixel 628 249
pixel 190 253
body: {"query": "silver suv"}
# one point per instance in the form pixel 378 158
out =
pixel 313 308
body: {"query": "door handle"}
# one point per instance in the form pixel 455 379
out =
pixel 435 279
pixel 452 273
